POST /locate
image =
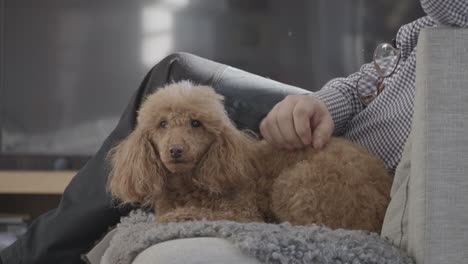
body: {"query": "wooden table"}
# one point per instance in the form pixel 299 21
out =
pixel 34 182
pixel 32 192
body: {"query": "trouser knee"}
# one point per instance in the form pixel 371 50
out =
pixel 180 66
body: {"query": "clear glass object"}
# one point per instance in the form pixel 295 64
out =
pixel 386 58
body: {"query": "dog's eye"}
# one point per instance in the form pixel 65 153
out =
pixel 163 124
pixel 195 123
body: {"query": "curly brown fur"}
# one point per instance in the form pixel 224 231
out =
pixel 209 177
pixel 340 186
pixel 224 173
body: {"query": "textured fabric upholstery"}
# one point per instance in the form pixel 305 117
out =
pixel 438 185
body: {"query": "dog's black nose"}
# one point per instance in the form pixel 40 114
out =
pixel 176 151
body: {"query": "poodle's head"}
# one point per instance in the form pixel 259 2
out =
pixel 181 129
pixel 182 121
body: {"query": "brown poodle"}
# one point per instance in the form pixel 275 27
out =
pixel 187 160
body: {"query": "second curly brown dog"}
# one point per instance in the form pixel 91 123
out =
pixel 186 159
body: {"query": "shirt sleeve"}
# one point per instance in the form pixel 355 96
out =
pixel 340 97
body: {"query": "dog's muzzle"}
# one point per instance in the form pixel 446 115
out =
pixel 176 151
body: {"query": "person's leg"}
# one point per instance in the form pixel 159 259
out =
pixel 201 250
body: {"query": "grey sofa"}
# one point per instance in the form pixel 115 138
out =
pixel 437 208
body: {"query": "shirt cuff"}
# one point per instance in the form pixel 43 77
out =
pixel 338 106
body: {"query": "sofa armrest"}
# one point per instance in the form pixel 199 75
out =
pixel 438 230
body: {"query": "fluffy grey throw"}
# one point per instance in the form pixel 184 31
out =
pixel 269 243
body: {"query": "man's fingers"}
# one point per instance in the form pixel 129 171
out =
pixel 302 114
pixel 322 132
pixel 285 123
pixel 264 131
pixel 269 129
pixel 298 121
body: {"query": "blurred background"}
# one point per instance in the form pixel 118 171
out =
pixel 69 67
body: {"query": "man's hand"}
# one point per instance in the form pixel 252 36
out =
pixel 298 121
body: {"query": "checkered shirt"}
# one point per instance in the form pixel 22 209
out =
pixel 384 125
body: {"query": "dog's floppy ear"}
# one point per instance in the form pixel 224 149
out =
pixel 137 173
pixel 228 164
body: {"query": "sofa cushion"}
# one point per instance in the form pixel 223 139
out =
pixel 439 161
